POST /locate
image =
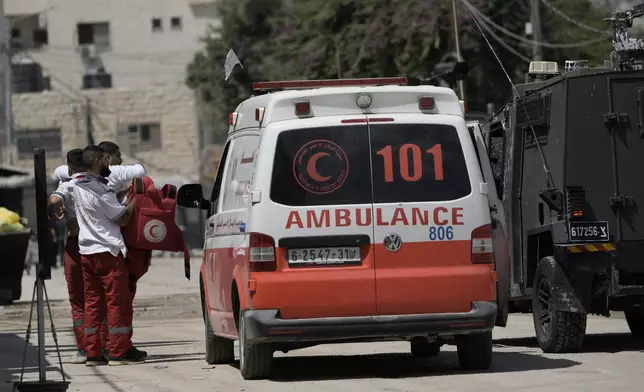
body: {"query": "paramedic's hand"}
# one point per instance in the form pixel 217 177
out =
pixel 60 213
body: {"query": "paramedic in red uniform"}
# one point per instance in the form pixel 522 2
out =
pixel 61 206
pixel 119 180
pixel 105 271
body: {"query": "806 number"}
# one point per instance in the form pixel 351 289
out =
pixel 441 233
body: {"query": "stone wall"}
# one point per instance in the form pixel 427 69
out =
pixel 173 106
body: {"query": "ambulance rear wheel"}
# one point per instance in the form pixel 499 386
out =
pixel 475 351
pixel 557 331
pixel 255 360
pixel 218 350
pixel 635 320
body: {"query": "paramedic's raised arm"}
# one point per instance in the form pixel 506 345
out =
pixel 61 173
pixel 123 174
pixel 56 203
pixel 114 211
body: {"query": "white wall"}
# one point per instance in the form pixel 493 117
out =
pixel 138 57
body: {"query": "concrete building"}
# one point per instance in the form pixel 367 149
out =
pixel 144 45
pixel 155 126
pixel 140 42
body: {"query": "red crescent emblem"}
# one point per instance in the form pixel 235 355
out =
pixel 311 168
pixel 308 163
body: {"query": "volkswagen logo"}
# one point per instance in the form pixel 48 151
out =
pixel 393 242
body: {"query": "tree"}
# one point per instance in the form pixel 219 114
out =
pixel 247 27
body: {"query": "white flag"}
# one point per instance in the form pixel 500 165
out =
pixel 231 61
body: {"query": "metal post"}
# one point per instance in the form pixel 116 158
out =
pixel 5 82
pixel 535 21
pixel 45 254
pixel 88 121
pixel 461 85
pixel 42 361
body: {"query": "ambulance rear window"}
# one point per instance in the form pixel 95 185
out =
pixel 322 166
pixel 332 166
pixel 417 162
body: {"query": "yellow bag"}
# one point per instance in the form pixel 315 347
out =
pixel 7 216
pixel 11 227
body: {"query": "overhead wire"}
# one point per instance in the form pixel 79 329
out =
pixel 572 20
pixel 474 11
pixel 500 40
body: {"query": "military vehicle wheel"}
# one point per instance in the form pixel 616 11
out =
pixel 475 351
pixel 557 331
pixel 255 360
pixel 421 348
pixel 218 350
pixel 635 320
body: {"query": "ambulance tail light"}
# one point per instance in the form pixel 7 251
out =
pixel 232 118
pixel 482 248
pixel 262 253
pixel 426 103
pixel 302 108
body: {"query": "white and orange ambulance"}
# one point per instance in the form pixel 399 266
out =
pixel 347 210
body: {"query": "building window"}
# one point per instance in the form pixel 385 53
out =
pixel 41 37
pixel 175 23
pixel 97 34
pixel 49 139
pixel 142 137
pixel 157 25
pixel 15 33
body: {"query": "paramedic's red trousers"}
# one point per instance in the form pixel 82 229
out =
pixel 76 290
pixel 138 261
pixel 106 279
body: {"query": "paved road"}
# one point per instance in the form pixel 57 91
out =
pixel 170 329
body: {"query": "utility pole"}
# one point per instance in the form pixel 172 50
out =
pixel 535 21
pixel 5 86
pixel 461 86
pixel 89 125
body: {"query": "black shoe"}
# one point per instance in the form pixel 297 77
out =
pixel 96 361
pixel 132 357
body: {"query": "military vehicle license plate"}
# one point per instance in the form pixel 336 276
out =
pixel 588 231
pixel 324 256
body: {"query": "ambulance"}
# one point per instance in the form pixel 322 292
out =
pixel 350 210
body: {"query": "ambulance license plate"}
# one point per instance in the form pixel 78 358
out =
pixel 588 231
pixel 346 255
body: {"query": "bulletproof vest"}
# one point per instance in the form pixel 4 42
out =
pixel 153 225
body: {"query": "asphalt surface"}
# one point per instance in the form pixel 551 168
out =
pixel 169 327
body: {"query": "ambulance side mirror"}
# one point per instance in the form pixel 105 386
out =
pixel 191 196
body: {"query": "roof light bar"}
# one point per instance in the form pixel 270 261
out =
pixel 304 84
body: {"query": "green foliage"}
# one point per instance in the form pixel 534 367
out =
pixel 315 39
pixel 557 29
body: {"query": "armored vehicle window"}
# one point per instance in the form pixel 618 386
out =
pixel 417 162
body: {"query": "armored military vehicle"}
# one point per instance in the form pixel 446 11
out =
pixel 568 160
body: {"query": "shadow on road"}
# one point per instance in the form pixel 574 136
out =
pixel 11 360
pixel 291 369
pixel 597 343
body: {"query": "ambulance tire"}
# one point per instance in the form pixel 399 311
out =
pixel 219 350
pixel 635 321
pixel 475 350
pixel 255 360
pixel 557 331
